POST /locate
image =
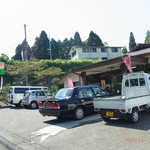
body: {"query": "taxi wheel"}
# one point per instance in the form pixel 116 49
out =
pixel 79 113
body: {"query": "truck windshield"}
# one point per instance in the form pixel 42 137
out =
pixel 64 93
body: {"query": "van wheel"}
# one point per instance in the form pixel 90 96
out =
pixel 134 116
pixel 33 105
pixel 20 104
pixel 79 113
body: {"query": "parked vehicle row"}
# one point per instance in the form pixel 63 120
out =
pixel 81 100
pixel 74 101
pixel 16 93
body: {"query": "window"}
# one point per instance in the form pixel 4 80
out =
pixel 104 58
pixel 104 50
pixel 85 50
pixel 85 92
pixel 93 50
pixel 98 91
pixel 21 90
pixel 40 93
pixel 127 83
pixel 134 82
pixel 74 53
pixel 114 49
pixel 142 82
pixel 64 93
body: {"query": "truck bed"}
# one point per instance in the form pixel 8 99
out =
pixel 121 102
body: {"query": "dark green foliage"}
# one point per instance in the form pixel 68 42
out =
pixel 147 39
pixel 59 49
pixel 41 46
pixel 77 39
pixel 43 72
pixel 132 42
pixel 94 40
pixel 56 49
pixel 4 58
pixel 124 50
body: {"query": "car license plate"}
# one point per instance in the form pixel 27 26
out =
pixel 109 113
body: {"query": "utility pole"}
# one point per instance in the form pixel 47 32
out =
pixel 25 32
pixel 25 44
pixel 50 50
pixel 25 52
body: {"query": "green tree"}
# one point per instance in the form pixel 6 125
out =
pixel 34 70
pixel 124 50
pixel 147 39
pixel 132 42
pixel 77 39
pixel 4 58
pixel 66 46
pixel 94 40
pixel 41 46
pixel 55 49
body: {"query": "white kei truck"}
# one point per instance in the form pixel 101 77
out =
pixel 135 97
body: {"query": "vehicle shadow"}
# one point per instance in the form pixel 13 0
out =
pixel 10 107
pixel 142 124
pixel 69 122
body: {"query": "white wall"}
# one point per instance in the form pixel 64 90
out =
pixel 96 55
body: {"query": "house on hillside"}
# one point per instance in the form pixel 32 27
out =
pixel 108 73
pixel 94 53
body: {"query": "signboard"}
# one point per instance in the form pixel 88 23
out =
pixel 70 82
pixel 2 69
pixel 127 62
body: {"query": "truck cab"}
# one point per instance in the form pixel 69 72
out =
pixel 136 84
pixel 135 97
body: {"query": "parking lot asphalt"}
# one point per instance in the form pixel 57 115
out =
pixel 26 129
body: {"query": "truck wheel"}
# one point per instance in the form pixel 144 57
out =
pixel 134 116
pixel 79 113
pixel 33 105
pixel 106 119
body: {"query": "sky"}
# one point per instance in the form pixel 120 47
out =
pixel 112 20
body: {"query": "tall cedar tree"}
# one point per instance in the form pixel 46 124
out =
pixel 132 42
pixel 55 49
pixel 77 39
pixel 94 40
pixel 41 46
pixel 147 39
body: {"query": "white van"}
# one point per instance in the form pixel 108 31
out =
pixel 32 97
pixel 15 93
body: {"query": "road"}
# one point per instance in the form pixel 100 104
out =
pixel 26 129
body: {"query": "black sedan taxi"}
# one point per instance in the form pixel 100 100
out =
pixel 74 101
